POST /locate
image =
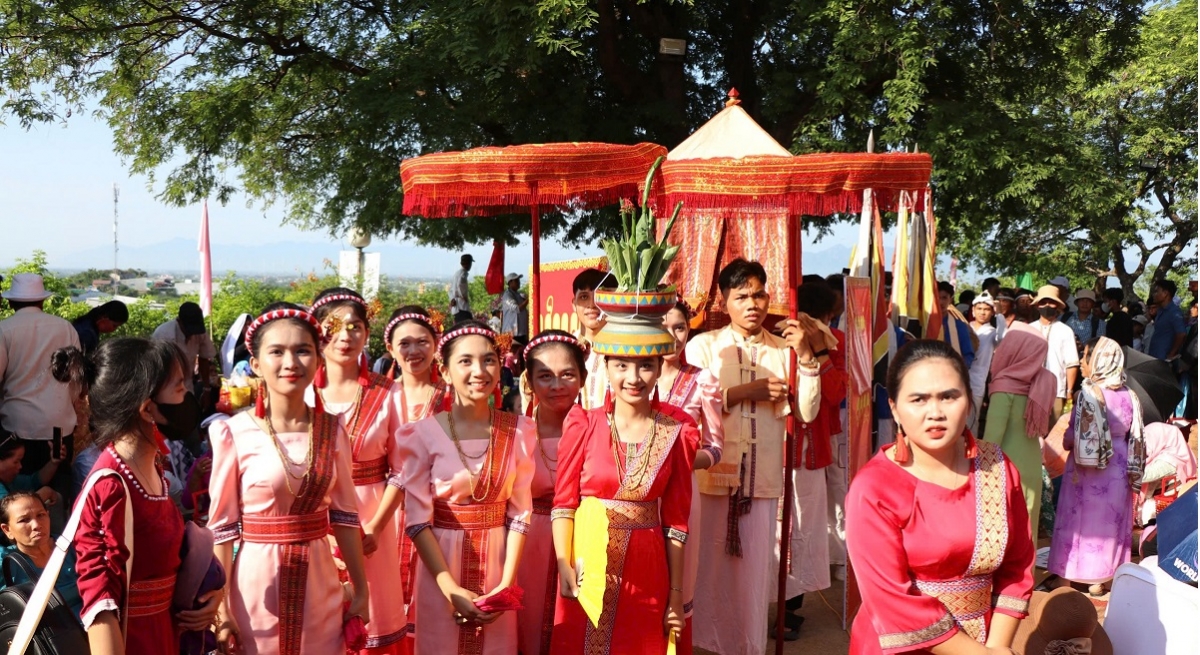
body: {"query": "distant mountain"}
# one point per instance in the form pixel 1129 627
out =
pixel 180 256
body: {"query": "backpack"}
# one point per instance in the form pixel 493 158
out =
pixel 59 632
pixel 30 622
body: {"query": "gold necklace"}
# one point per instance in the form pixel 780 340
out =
pixel 542 449
pixel 490 453
pixel 352 422
pixel 284 460
pixel 633 481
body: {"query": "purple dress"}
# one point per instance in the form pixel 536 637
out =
pixel 1093 525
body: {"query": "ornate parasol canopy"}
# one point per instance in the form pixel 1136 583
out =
pixel 504 180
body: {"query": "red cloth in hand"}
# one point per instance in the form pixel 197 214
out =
pixel 355 632
pixel 506 600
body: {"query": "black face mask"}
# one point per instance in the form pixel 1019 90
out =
pixel 182 418
pixel 1048 313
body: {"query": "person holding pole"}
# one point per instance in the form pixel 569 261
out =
pixel 739 496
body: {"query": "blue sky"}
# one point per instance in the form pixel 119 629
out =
pixel 56 195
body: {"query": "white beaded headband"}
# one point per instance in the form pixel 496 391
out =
pixel 277 314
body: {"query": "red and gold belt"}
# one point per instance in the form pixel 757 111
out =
pixel 469 517
pixel 371 471
pixel 151 597
pixel 288 529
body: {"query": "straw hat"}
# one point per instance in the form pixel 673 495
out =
pixel 27 287
pixel 1049 292
pixel 1061 623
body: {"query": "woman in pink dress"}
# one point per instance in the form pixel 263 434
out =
pixel 936 525
pixel 467 473
pixel 370 409
pixel 695 391
pixel 411 336
pixel 281 478
pixel 132 386
pixel 635 458
pixel 555 370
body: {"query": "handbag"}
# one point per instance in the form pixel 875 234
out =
pixel 44 632
pixel 59 632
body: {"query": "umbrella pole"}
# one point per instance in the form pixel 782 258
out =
pixel 789 449
pixel 535 280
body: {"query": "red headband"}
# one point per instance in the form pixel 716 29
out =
pixel 338 297
pixel 412 316
pixel 278 314
pixel 554 338
pixel 455 333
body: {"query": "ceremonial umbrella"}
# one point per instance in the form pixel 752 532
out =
pixel 491 181
pixel 731 170
pixel 1155 384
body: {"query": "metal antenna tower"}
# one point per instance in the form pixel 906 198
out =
pixel 116 271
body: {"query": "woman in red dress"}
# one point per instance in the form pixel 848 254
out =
pixel 133 387
pixel 936 525
pixel 637 461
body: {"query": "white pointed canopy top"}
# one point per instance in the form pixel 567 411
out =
pixel 731 133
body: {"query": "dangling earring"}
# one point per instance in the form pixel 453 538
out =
pixel 448 400
pixel 498 397
pixel 972 444
pixel 655 403
pixel 364 371
pixel 392 370
pixel 260 400
pixel 609 405
pixel 321 379
pixel 903 453
pixel 160 441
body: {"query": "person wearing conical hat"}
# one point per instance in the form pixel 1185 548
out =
pixel 631 459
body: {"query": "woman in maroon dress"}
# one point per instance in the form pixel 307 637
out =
pixel 936 525
pixel 133 387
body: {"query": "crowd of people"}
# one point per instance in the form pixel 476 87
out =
pixel 457 496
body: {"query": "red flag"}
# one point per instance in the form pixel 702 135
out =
pixel 494 278
pixel 205 264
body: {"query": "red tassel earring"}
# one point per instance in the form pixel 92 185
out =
pixel 498 397
pixel 260 400
pixel 321 379
pixel 160 441
pixel 903 454
pixel 972 444
pixel 364 371
pixel 448 400
pixel 609 406
pixel 655 403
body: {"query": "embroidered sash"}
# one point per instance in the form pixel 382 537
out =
pixel 627 512
pixel 408 552
pixel 475 540
pixel 293 557
pixel 969 598
pixel 372 401
pixel 684 386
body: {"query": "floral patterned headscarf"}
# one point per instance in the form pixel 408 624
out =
pixel 1093 439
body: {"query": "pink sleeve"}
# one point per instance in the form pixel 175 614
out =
pixel 1012 583
pixel 572 449
pixel 394 425
pixel 904 618
pixel 343 501
pixel 417 478
pixel 224 487
pixel 711 409
pixel 1069 434
pixel 677 496
pixel 100 549
pixel 520 502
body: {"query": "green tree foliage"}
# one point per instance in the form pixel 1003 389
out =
pixel 315 104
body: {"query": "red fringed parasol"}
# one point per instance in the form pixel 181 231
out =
pixel 817 185
pixel 505 180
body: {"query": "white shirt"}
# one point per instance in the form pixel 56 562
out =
pixel 460 296
pixel 1062 354
pixel 193 347
pixel 988 337
pixel 32 402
